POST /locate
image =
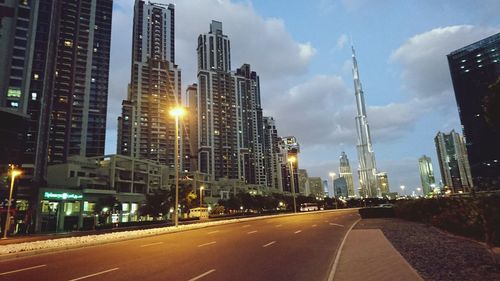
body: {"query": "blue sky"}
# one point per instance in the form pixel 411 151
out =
pixel 301 50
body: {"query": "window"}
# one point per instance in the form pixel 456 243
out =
pixel 33 96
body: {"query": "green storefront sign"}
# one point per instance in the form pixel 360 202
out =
pixel 61 196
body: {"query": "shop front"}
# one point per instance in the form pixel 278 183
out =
pixel 59 210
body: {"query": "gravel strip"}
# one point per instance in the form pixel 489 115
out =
pixel 437 255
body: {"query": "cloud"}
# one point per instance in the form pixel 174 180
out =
pixel 424 67
pixel 341 41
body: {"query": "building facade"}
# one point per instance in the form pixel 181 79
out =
pixel 426 174
pixel 367 172
pixel 453 162
pixel 383 183
pixel 474 68
pixel 341 187
pixel 345 172
pixel 145 128
pixel 271 142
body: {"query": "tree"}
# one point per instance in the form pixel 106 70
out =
pixel 107 205
pixel 156 204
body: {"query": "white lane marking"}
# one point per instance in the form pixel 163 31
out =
pixel 298 231
pixel 248 225
pixel 268 244
pixel 313 225
pixel 339 251
pixel 22 269
pixel 250 232
pixel 212 232
pixel 95 274
pixel 206 244
pixel 202 275
pixel 336 224
pixel 152 244
pixel 279 225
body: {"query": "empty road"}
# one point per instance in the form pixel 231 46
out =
pixel 299 247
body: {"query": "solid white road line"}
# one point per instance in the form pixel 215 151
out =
pixel 336 224
pixel 268 244
pixel 206 244
pixel 298 231
pixel 22 269
pixel 212 232
pixel 95 274
pixel 152 244
pixel 250 232
pixel 202 275
pixel 339 251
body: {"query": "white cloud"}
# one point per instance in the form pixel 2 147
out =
pixel 341 41
pixel 424 67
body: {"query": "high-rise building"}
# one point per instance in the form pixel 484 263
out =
pixel 316 187
pixel 291 148
pixel 383 183
pixel 247 87
pixel 220 137
pixel 271 152
pixel 426 174
pixel 80 93
pixel 367 170
pixel 303 183
pixel 192 100
pixel 453 162
pixel 473 69
pixel 341 187
pixel 145 128
pixel 345 172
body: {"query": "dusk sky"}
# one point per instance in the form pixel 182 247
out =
pixel 301 51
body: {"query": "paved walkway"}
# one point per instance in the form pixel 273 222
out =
pixel 368 255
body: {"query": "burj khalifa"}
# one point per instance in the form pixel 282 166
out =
pixel 367 170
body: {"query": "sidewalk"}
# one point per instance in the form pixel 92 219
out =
pixel 368 255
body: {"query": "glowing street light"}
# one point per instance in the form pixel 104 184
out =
pixel 418 190
pixel 403 189
pixel 291 160
pixel 13 174
pixel 201 194
pixel 177 112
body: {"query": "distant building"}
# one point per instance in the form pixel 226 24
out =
pixel 341 187
pixel 304 184
pixel 453 162
pixel 326 188
pixel 271 149
pixel 291 148
pixel 473 69
pixel 383 183
pixel 345 172
pixel 316 186
pixel 426 174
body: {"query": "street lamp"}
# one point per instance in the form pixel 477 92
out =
pixel 403 190
pixel 291 160
pixel 332 174
pixel 201 194
pixel 418 190
pixel 177 112
pixel 13 174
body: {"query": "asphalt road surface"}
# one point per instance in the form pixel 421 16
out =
pixel 300 247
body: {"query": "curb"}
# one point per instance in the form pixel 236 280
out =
pixel 337 257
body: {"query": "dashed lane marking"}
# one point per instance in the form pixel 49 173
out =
pixel 268 244
pixel 22 269
pixel 202 275
pixel 206 244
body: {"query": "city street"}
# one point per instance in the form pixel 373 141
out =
pixel 300 247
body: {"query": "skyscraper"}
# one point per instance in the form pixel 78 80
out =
pixel 271 150
pixel 426 174
pixel 473 69
pixel 453 162
pixel 145 128
pixel 80 93
pixel 219 135
pixel 345 172
pixel 367 170
pixel 383 183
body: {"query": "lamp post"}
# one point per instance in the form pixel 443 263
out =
pixel 291 160
pixel 418 190
pixel 403 190
pixel 177 112
pixel 332 174
pixel 201 195
pixel 13 174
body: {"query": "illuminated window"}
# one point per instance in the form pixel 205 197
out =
pixel 68 43
pixel 14 93
pixel 33 96
pixel 36 76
